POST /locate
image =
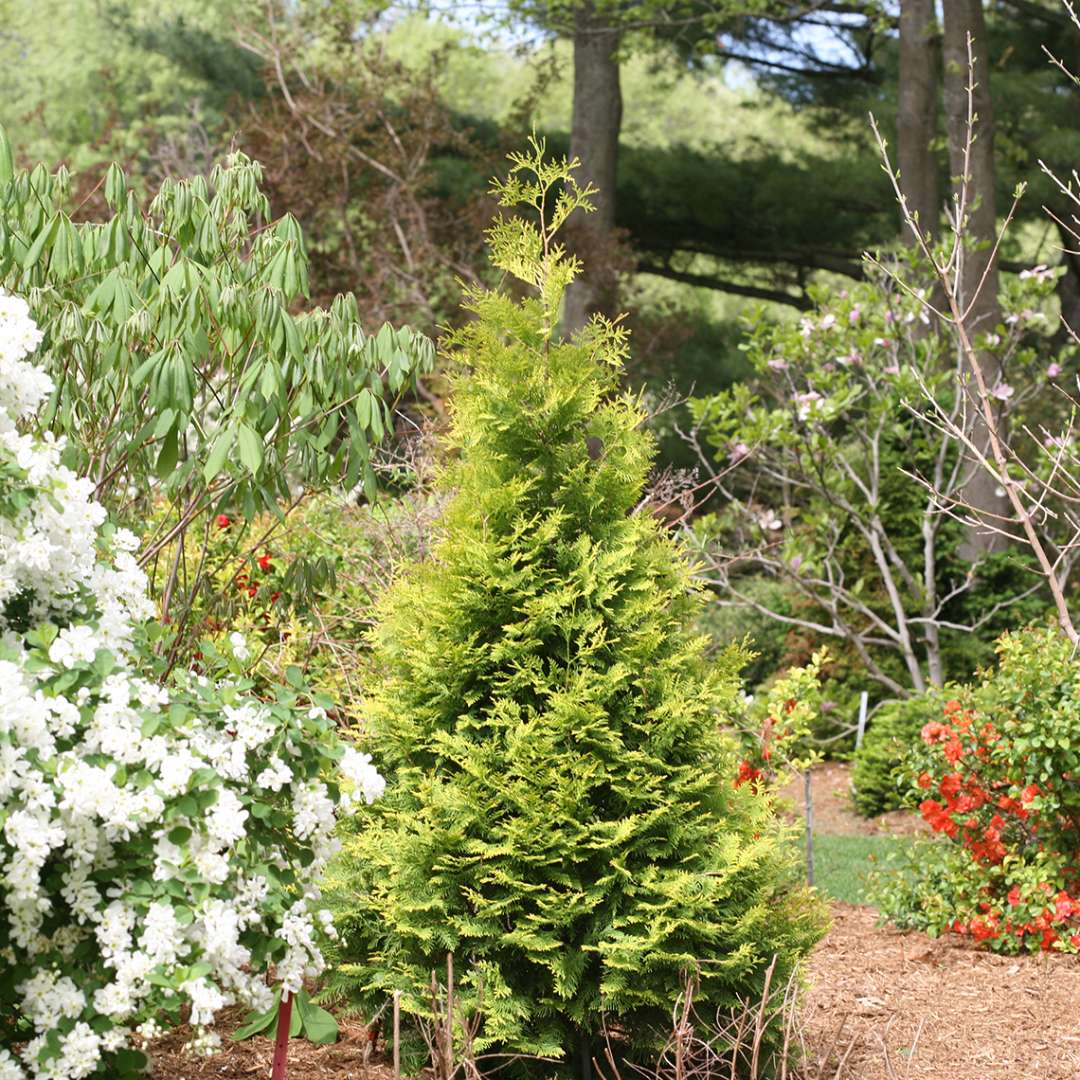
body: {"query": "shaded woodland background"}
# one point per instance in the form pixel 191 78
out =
pixel 730 141
pixel 739 181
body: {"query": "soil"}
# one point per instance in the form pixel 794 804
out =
pixel 834 812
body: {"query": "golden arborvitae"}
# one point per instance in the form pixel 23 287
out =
pixel 561 812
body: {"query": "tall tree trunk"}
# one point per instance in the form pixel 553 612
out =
pixel 917 114
pixel 594 138
pixel 974 183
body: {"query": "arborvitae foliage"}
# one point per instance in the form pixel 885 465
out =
pixel 561 814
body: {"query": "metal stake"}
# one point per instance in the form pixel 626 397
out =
pixel 397 1035
pixel 864 697
pixel 809 796
pixel 281 1043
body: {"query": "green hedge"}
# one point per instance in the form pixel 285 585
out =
pixel 894 729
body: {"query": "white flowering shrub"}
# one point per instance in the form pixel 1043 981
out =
pixel 160 848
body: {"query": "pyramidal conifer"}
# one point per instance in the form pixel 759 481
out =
pixel 561 813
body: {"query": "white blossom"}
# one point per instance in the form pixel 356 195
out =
pixel 86 773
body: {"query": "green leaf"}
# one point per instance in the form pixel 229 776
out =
pixel 168 456
pixel 257 1023
pixel 7 167
pixel 219 453
pixel 164 423
pixel 44 237
pixel 319 1026
pixel 129 1062
pixel 251 449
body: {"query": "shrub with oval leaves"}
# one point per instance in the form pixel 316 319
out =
pixel 996 773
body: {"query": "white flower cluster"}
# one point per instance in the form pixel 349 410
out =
pixel 49 564
pixel 138 864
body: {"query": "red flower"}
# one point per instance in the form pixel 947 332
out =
pixel 938 816
pixel 264 561
pixel 925 780
pixel 1014 896
pixel 953 750
pixel 1029 793
pixel 935 733
pixel 984 928
pixel 747 774
pixel 950 785
pixel 952 706
pixel 223 521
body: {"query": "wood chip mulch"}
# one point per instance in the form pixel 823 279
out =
pixel 976 1016
pixel 350 1058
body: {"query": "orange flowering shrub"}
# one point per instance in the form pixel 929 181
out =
pixel 998 775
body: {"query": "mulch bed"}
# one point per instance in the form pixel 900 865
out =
pixel 977 1016
pixel 350 1058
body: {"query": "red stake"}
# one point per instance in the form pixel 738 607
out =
pixel 281 1043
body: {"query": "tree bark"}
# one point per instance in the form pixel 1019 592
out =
pixel 917 114
pixel 971 163
pixel 594 138
pixel 1068 287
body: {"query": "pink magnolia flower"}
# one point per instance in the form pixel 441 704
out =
pixel 808 403
pixel 1003 391
pixel 1053 371
pixel 778 363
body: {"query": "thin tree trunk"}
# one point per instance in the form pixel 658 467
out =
pixel 1068 289
pixel 917 114
pixel 974 179
pixel 594 138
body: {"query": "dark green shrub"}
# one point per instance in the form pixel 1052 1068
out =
pixel 876 781
pixel 562 813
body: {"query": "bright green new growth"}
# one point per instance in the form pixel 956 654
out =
pixel 561 813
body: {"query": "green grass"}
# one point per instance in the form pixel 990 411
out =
pixel 841 863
